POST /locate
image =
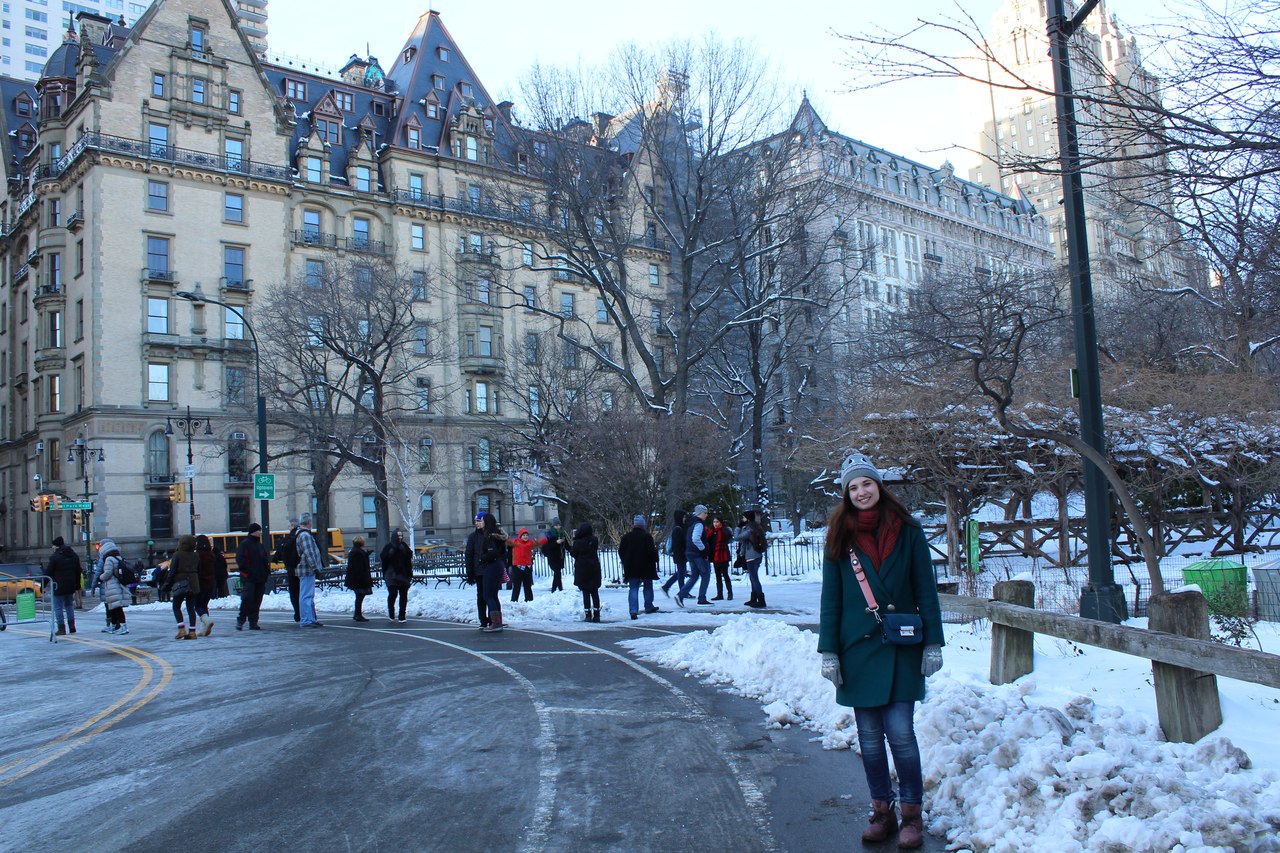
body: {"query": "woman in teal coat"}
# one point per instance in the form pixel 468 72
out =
pixel 880 681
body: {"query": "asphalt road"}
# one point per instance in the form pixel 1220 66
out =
pixel 426 736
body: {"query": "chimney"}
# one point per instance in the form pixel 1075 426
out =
pixel 601 122
pixel 505 109
pixel 93 28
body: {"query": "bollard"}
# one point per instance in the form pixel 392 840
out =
pixel 1012 649
pixel 1186 699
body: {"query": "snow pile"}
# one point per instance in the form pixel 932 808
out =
pixel 1004 771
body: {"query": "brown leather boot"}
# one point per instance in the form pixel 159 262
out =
pixel 884 823
pixel 912 834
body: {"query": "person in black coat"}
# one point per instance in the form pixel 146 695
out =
pixel 586 570
pixel 397 572
pixel 359 576
pixel 64 569
pixel 255 570
pixel 639 555
pixel 491 558
pixel 677 545
pixel 471 563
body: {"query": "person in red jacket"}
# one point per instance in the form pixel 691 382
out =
pixel 522 565
pixel 718 545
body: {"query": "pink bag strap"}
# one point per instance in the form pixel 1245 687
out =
pixel 872 607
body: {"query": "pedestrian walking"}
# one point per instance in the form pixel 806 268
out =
pixel 64 570
pixel 586 570
pixel 876 573
pixel 718 545
pixel 492 562
pixel 359 577
pixel 255 572
pixel 752 543
pixel 208 583
pixel 115 595
pixel 184 585
pixel 553 546
pixel 698 555
pixel 522 565
pixel 310 561
pixel 676 548
pixel 471 564
pixel 397 573
pixel 639 555
pixel 287 553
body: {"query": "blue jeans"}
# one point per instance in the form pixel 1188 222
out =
pixel 699 567
pixel 894 722
pixel 753 574
pixel 677 578
pixel 64 609
pixel 307 600
pixel 492 579
pixel 633 594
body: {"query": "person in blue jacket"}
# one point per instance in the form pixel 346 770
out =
pixel 881 682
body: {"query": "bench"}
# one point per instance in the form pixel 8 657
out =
pixel 441 568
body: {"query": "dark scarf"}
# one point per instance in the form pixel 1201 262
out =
pixel 875 533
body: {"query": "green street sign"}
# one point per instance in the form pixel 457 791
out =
pixel 74 505
pixel 264 487
pixel 972 548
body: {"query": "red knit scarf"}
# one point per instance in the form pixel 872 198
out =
pixel 875 533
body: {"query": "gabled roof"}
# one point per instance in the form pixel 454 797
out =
pixel 10 121
pixel 431 54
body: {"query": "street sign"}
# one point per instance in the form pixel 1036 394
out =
pixel 264 487
pixel 189 472
pixel 78 505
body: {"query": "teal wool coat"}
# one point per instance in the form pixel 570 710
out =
pixel 876 673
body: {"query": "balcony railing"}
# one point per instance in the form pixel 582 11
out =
pixel 237 283
pixel 75 221
pixel 160 479
pixel 21 273
pixel 307 237
pixel 166 276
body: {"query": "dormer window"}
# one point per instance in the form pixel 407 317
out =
pixel 328 130
pixel 344 101
pixel 437 82
pixel 408 54
pixel 467 91
pixel 24 106
pixel 198 40
pixel 413 137
pixel 442 53
pixel 433 111
pixel 26 138
pixel 295 90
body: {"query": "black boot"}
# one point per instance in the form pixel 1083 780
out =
pixel 595 615
pixel 586 615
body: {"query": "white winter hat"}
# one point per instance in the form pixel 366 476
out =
pixel 857 465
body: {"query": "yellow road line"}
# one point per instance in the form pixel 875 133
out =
pixel 103 720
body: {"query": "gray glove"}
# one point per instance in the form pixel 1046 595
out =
pixel 932 660
pixel 831 668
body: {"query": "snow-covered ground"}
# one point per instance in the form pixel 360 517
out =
pixel 1069 758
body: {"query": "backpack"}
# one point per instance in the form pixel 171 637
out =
pixel 124 572
pixel 758 540
pixel 289 550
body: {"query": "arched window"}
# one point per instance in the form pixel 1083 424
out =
pixel 158 470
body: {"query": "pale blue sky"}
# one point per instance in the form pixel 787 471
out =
pixel 503 38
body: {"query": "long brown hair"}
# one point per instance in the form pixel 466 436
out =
pixel 840 524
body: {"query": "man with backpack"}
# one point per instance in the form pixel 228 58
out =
pixel 64 569
pixel 287 553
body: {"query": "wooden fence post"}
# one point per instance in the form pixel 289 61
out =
pixel 1186 699
pixel 1012 649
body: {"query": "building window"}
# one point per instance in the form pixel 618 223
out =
pixel 418 237
pixel 157 86
pixel 233 208
pixel 235 385
pixel 55 405
pixel 198 37
pixel 237 461
pixel 531 348
pixel 482 398
pixel 315 170
pixel 55 328
pixel 473 149
pixel 418 286
pixel 232 324
pixel 233 265
pixel 55 212
pixel 233 101
pixel 424 455
pixel 158 196
pixel 328 129
pixel 360 232
pixel 427 509
pixel 413 137
pixel 437 82
pixel 311 226
pixel 420 339
pixel 530 297
pixel 157 382
pixel 233 153
pixel 570 354
pixel 442 53
pixel 654 279
pixel 566 305
pixel 157 315
pixel 424 394
pixel 158 139
pixel 364 179
pixel 369 511
pixel 602 312
pixel 526 254
pixel 415 185
pixel 314 271
pixel 197 90
pixel 345 101
pixel 238 512
pixel 535 402
pixel 160 518
pixel 158 257
pixel 295 90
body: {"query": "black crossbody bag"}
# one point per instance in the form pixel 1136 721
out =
pixel 896 629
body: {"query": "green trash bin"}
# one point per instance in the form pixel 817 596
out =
pixel 1224 583
pixel 25 605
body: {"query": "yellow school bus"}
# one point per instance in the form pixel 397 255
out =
pixel 229 542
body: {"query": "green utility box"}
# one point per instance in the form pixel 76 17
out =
pixel 1224 583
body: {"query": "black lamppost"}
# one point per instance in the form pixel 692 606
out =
pixel 1101 598
pixel 188 426
pixel 80 449
pixel 264 506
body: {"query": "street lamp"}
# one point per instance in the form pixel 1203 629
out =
pixel 80 449
pixel 188 426
pixel 264 506
pixel 1101 598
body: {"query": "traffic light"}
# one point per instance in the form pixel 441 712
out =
pixel 37 504
pixel 77 518
pixel 178 493
pixel 55 502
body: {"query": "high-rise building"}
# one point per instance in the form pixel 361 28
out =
pixel 1126 241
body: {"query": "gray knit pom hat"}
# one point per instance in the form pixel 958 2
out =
pixel 857 465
